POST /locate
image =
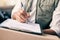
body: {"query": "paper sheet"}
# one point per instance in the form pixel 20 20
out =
pixel 13 24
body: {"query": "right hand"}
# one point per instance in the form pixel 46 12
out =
pixel 21 16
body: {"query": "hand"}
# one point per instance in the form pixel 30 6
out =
pixel 21 16
pixel 49 31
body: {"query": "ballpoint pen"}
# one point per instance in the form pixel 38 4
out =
pixel 23 7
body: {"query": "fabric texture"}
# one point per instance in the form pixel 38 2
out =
pixel 44 13
pixel 55 24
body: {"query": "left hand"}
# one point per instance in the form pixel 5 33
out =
pixel 49 31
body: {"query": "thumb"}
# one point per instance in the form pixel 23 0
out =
pixel 28 15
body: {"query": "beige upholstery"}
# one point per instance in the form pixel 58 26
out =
pixel 8 2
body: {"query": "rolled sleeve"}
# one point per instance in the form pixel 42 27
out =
pixel 56 29
pixel 55 24
pixel 16 8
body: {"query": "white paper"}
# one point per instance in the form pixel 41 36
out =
pixel 13 24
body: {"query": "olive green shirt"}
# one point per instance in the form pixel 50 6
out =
pixel 44 12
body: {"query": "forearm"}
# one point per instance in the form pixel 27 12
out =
pixel 16 8
pixel 49 31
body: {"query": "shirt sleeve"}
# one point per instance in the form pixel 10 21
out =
pixel 16 8
pixel 19 5
pixel 33 12
pixel 55 24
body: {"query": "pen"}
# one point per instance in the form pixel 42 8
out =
pixel 24 8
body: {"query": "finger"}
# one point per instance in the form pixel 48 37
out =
pixel 20 19
pixel 23 12
pixel 14 15
pixel 23 17
pixel 28 15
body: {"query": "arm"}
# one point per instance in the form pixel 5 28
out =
pixel 49 31
pixel 18 13
pixel 32 12
pixel 16 8
pixel 55 24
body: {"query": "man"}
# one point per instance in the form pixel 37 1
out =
pixel 35 11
